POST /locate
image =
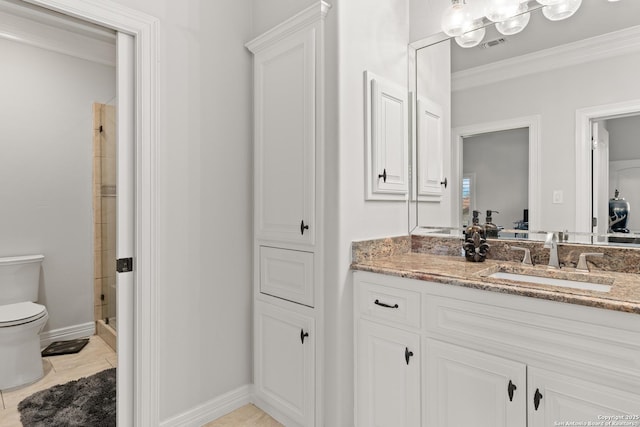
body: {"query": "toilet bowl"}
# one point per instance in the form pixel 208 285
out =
pixel 21 321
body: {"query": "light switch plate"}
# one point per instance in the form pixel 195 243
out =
pixel 557 196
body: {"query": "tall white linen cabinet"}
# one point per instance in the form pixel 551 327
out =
pixel 288 217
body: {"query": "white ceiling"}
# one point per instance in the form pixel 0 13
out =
pixel 595 17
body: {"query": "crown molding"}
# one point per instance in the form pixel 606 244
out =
pixel 314 13
pixel 600 47
pixel 80 44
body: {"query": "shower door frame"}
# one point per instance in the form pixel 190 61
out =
pixel 138 402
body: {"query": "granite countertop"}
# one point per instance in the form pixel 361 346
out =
pixel 624 294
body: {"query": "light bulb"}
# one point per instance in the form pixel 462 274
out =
pixel 516 24
pixel 560 11
pixel 500 10
pixel 457 19
pixel 471 38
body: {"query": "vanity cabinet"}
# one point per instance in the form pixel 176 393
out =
pixel 567 398
pixel 489 359
pixel 285 361
pixel 388 369
pixel 470 388
pixel 288 207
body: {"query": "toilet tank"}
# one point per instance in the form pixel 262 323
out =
pixel 19 278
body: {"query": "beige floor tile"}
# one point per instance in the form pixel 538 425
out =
pixel 10 418
pixel 113 360
pixel 95 350
pixel 246 416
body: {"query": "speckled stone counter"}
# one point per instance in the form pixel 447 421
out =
pixel 442 263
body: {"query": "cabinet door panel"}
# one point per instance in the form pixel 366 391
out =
pixel 387 148
pixel 285 373
pixel 566 399
pixel 430 139
pixel 468 388
pixel 388 387
pixel 285 139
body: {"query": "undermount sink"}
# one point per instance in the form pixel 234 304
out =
pixel 543 276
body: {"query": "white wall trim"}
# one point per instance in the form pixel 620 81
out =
pixel 82 330
pixel 605 46
pixel 145 29
pixel 213 409
pixel 301 20
pixel 584 116
pixel 534 125
pixel 30 32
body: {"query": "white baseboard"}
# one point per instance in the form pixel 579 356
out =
pixel 82 330
pixel 211 410
pixel 274 412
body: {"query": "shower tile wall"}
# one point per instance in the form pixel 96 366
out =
pixel 104 199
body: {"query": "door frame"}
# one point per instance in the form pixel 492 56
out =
pixel 458 134
pixel 584 117
pixel 145 30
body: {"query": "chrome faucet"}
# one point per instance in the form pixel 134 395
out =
pixel 552 244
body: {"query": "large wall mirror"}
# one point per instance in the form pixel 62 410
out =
pixel 542 126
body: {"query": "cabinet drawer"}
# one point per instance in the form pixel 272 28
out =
pixel 587 340
pixel 287 274
pixel 390 304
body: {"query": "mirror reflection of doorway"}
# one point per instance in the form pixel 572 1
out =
pixel 616 166
pixel 496 176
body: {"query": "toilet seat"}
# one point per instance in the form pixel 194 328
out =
pixel 20 313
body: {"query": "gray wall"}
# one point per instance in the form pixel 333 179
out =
pixel 205 199
pixel 500 161
pixel 555 96
pixel 46 143
pixel 624 138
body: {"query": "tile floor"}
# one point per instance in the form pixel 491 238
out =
pixel 247 416
pixel 95 357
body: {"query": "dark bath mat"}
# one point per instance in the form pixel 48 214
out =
pixel 65 347
pixel 89 401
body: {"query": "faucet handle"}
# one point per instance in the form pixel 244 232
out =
pixel 527 254
pixel 582 260
pixel 551 239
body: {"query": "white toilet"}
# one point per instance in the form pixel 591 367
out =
pixel 21 321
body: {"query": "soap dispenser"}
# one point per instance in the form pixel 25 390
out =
pixel 491 230
pixel 475 226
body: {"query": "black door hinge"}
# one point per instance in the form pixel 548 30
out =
pixel 124 265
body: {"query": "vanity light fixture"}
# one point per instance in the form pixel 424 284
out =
pixel 465 19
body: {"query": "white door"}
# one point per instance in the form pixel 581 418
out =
pixel 125 225
pixel 285 361
pixel 469 388
pixel 388 376
pixel 600 150
pixel 556 399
